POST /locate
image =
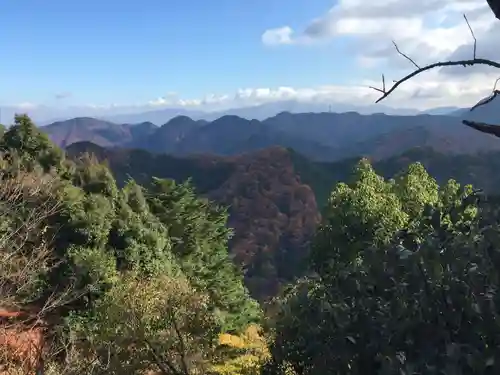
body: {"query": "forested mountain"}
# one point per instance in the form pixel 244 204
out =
pixel 318 136
pixel 123 260
pixel 275 196
pixel 273 213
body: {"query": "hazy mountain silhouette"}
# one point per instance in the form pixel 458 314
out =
pixel 319 136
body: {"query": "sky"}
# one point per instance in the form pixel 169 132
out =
pixel 225 53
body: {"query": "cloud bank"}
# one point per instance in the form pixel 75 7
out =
pixel 426 30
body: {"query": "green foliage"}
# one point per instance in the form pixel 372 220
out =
pixel 199 241
pixel 366 211
pixel 403 281
pixel 138 325
pixel 126 258
pixel 402 276
pixel 30 144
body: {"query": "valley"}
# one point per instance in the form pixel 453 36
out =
pixel 274 193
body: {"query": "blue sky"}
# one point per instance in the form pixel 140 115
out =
pixel 116 51
pixel 130 52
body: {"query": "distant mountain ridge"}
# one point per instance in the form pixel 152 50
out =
pixel 261 111
pixel 319 136
pixel 159 115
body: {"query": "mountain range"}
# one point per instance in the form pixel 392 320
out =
pixel 159 115
pixel 266 110
pixel 276 174
pixel 319 136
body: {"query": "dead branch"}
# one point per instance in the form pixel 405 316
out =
pixel 473 37
pixel 419 70
pixel 405 56
pixel 27 201
pixel 464 63
pixel 482 127
pixel 493 95
pixel 161 361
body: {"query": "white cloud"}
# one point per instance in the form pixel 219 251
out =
pixel 26 106
pixel 429 90
pixel 403 19
pixel 426 91
pixel 425 30
pixel 245 97
pixel 173 100
pixel 281 35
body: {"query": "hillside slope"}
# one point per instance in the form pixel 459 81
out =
pixel 272 212
pixel 275 195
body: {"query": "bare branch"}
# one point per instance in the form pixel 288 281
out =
pixel 182 346
pixel 473 36
pixel 161 362
pixel 27 201
pixel 483 128
pixel 486 101
pixel 405 56
pixel 464 63
pixel 382 90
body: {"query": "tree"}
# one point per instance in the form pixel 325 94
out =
pixel 27 303
pixel 421 300
pixel 200 238
pixel 30 144
pixel 148 268
pixel 369 211
pixel 138 325
pixel 243 354
pixel 482 127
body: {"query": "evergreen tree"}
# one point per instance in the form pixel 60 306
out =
pixel 403 280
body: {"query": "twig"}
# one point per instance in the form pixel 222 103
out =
pixel 181 341
pixel 382 90
pixel 473 36
pixel 405 56
pixel 160 362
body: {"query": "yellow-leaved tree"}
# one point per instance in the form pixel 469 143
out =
pixel 246 352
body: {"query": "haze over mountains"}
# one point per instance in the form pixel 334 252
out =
pixel 319 136
pixel 159 115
